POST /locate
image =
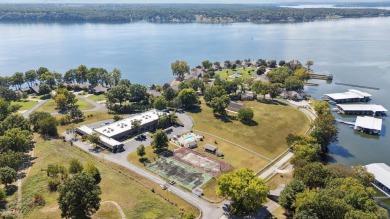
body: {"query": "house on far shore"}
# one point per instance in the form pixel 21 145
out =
pixel 154 93
pixel 99 89
pixel 248 96
pixel 234 107
pixel 293 95
pixel 31 90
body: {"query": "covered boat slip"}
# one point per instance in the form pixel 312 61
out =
pixel 110 143
pixel 351 95
pixel 382 176
pixel 368 124
pixel 361 109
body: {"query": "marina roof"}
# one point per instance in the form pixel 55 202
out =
pixel 350 94
pixel 368 122
pixel 362 107
pixel 126 124
pixel 381 172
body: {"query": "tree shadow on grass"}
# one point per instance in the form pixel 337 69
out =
pixel 273 102
pixel 144 160
pixel 224 119
pixel 10 189
pixel 194 109
pixel 250 123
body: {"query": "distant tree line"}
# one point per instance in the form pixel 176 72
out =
pixel 168 13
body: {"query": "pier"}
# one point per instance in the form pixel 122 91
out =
pixel 328 77
pixel 345 122
pixel 359 86
pixel 310 84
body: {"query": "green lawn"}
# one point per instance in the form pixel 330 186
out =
pixel 51 107
pixel 26 104
pixel 90 117
pixel 248 72
pixel 132 192
pixel 267 135
pixel 97 98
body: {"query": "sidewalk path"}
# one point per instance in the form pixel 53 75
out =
pixel 32 109
pixel 123 216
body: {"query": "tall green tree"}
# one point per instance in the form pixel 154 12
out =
pixel 30 77
pixel 309 63
pixel 219 105
pixel 169 94
pixel 75 166
pixel 179 68
pixel 90 169
pixel 48 126
pixel 116 76
pixel 14 121
pixel 160 103
pixel 293 83
pixel 160 141
pixel 213 91
pixel 94 138
pixel 207 64
pixel 288 195
pixel 313 175
pixel 245 114
pixel 188 97
pixel 7 175
pixel 79 196
pixel 246 191
pixel 18 79
pixel 118 94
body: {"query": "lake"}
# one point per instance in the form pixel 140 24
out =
pixel 355 51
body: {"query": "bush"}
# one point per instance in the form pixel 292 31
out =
pixel 245 114
pixel 117 118
pixel 2 194
pixel 52 184
pixel 38 200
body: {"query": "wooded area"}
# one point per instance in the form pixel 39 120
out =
pixel 175 13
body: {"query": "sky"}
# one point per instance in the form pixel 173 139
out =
pixel 182 1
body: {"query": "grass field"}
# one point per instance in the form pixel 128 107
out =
pixel 96 116
pixel 279 178
pixel 26 104
pixel 97 98
pixel 118 184
pixel 50 106
pixel 267 135
pixel 248 72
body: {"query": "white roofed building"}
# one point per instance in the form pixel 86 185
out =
pixel 361 109
pixel 351 95
pixel 368 124
pixel 112 144
pixel 381 172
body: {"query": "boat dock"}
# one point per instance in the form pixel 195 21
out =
pixel 359 86
pixel 310 84
pixel 328 77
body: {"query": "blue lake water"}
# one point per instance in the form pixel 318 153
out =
pixel 355 51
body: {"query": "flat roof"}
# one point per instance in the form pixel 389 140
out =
pixel 362 107
pixel 381 172
pixel 125 125
pixel 210 147
pixel 368 122
pixel 110 141
pixel 350 94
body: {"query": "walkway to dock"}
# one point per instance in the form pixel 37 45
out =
pixel 359 86
pixel 345 122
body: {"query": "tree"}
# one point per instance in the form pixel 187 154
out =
pixel 230 86
pixel 160 141
pixel 219 105
pixel 307 153
pixel 169 94
pixel 136 125
pixel 90 169
pixel 207 64
pixel 261 70
pixel 15 139
pixel 288 195
pixel 293 83
pixel 75 166
pixel 92 76
pixel 137 92
pixel 246 191
pixel 117 118
pixel 79 196
pixel 160 103
pixel 82 72
pixel 48 78
pixel 313 175
pixel 188 97
pixel 245 114
pixel 271 63
pixel 309 63
pixel 282 62
pixel 279 75
pixel 94 138
pixel 118 94
pixel 141 151
pixel 4 109
pixel 302 73
pixel 76 114
pixel 116 76
pixel 14 121
pixel 324 130
pixel 11 159
pixel 7 175
pixel 30 77
pixel 44 89
pixel 48 126
pixel 321 107
pixel 61 101
pixel 213 91
pixel 179 68
pixel 274 90
pixel 260 87
pixel 41 71
pixel 8 94
pixel 18 79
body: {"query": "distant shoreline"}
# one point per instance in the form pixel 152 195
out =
pixel 176 13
